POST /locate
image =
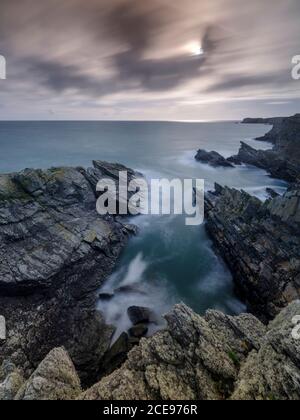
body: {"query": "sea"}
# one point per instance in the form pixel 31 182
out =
pixel 167 262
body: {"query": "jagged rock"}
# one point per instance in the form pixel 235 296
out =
pixel 194 358
pixel 11 381
pixel 212 158
pixel 140 315
pixel 138 331
pixel 273 372
pixel 56 251
pixel 270 160
pixel 198 358
pixel 284 160
pixel 260 243
pixel 54 379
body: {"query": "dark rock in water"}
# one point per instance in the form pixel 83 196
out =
pixel 140 315
pixel 138 331
pixel 212 158
pixel 55 252
pixel 132 288
pixel 106 296
pixel 272 193
pixel 260 243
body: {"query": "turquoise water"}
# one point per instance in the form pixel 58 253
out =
pixel 167 262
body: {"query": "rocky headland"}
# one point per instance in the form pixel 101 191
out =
pixel 283 160
pixel 55 252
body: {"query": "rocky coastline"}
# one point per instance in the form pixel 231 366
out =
pixel 56 252
pixel 283 160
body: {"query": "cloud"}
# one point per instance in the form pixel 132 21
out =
pixel 82 51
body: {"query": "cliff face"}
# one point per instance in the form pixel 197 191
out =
pixel 260 243
pixel 55 252
pixel 199 358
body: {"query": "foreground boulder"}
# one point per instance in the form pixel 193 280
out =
pixel 212 158
pixel 55 252
pixel 273 372
pixel 260 242
pixel 54 379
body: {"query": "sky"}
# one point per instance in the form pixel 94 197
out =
pixel 148 59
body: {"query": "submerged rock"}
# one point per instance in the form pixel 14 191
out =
pixel 212 158
pixel 260 243
pixel 141 315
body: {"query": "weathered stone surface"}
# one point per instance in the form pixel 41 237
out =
pixel 11 381
pixel 55 252
pixel 194 358
pixel 212 158
pixel 273 372
pixel 260 243
pixel 54 379
pixel 199 358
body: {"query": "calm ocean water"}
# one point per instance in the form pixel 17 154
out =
pixel 169 261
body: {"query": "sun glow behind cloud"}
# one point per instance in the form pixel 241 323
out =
pixel 194 48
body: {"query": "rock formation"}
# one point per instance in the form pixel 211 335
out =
pixel 260 242
pixel 55 252
pixel 214 357
pixel 55 379
pixel 283 161
pixel 212 158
